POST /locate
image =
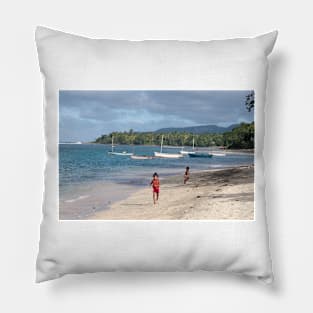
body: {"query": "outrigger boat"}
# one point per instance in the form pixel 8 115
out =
pixel 141 157
pixel 161 154
pixel 201 155
pixel 183 152
pixel 124 153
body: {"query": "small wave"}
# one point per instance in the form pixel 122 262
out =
pixel 76 199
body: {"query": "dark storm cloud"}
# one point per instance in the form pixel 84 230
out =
pixel 84 115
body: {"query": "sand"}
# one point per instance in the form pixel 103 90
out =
pixel 86 199
pixel 226 194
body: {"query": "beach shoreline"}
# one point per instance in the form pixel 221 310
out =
pixel 88 199
pixel 215 194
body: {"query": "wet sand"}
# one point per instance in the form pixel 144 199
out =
pixel 87 199
pixel 226 194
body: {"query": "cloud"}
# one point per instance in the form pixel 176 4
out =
pixel 84 115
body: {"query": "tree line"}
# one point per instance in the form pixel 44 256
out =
pixel 241 137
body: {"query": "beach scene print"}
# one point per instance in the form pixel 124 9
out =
pixel 156 155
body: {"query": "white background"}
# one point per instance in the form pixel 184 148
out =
pixel 288 155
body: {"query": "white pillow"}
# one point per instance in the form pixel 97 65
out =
pixel 69 62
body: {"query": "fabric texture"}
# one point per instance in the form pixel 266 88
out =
pixel 69 62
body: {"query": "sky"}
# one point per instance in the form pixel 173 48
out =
pixel 86 115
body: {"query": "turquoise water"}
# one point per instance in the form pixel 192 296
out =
pixel 83 163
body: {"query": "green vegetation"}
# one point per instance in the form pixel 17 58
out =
pixel 241 137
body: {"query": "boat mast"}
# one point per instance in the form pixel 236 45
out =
pixel 193 143
pixel 112 143
pixel 162 144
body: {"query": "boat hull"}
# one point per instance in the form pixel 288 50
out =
pixel 141 157
pixel 186 152
pixel 200 155
pixel 168 155
pixel 121 153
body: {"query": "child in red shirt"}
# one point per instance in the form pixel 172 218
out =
pixel 155 183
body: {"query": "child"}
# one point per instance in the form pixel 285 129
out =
pixel 155 187
pixel 186 176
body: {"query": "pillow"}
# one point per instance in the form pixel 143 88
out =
pixel 154 155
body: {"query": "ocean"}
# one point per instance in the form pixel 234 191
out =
pixel 82 163
pixel 90 178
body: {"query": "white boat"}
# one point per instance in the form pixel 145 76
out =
pixel 141 157
pixel 183 152
pixel 124 153
pixel 167 155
